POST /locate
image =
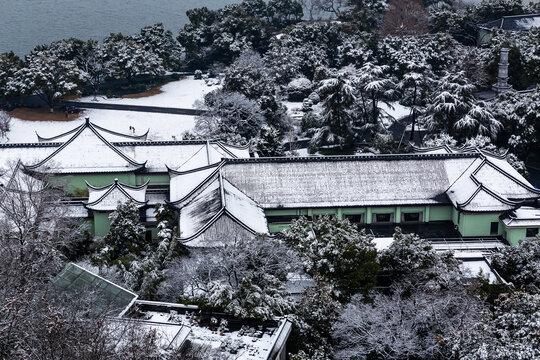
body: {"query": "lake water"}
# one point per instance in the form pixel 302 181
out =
pixel 27 23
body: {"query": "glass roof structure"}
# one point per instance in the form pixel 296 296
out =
pixel 73 279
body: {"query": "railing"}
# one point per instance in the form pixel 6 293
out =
pixel 488 244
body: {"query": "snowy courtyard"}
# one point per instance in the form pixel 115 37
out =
pixel 179 94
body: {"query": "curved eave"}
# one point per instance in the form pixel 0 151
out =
pixel 51 139
pixel 206 167
pixel 91 206
pixel 119 183
pixel 239 147
pixel 127 136
pixel 481 187
pixel 111 188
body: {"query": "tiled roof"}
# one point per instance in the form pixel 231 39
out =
pixel 85 152
pixel 523 217
pixel 219 201
pixel 514 23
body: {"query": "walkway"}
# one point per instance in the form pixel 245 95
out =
pixel 152 109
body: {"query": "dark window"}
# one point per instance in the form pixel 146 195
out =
pixel 282 219
pixel 382 218
pixel 531 232
pixel 355 219
pixel 148 236
pixel 494 229
pixel 319 216
pixel 412 217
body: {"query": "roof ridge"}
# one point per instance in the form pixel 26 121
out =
pixel 378 157
pixel 30 145
pixel 90 126
pixel 201 184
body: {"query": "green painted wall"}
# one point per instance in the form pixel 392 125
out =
pixel 514 235
pixel 155 179
pixel 440 213
pixel 478 224
pixel 101 224
pixel 429 213
pixel 76 183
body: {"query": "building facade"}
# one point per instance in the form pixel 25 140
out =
pixel 219 191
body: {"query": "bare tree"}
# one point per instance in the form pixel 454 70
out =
pixel 335 7
pixel 404 327
pixel 405 17
pixel 5 124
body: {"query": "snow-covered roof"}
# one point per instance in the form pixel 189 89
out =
pixel 108 197
pixel 490 185
pixel 471 181
pixel 180 155
pixel 87 151
pixel 220 199
pixel 346 181
pixel 10 154
pixel 168 335
pixel 106 133
pixel 239 339
pixel 524 217
pixel 513 23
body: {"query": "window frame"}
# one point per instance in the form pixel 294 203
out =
pixel 390 221
pixel 349 216
pixel 491 224
pixel 528 230
pixel 420 217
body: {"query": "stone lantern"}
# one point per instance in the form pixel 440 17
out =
pixel 502 80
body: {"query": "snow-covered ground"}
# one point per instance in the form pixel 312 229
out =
pixel 177 94
pixel 181 94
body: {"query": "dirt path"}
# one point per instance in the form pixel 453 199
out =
pixel 43 114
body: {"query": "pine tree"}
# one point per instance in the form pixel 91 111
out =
pixel 144 275
pixel 414 88
pixel 125 239
pixel 338 100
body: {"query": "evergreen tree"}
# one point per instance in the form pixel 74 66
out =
pixel 453 109
pixel 125 239
pixel 48 76
pixel 335 251
pixel 9 65
pixel 374 86
pixel 270 142
pixel 144 275
pixel 338 101
pixel 414 89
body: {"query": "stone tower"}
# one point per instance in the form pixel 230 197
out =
pixel 502 80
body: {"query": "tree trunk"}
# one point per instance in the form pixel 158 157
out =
pixel 413 123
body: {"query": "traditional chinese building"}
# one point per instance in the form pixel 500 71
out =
pixel 220 192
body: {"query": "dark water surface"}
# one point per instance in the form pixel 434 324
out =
pixel 27 23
